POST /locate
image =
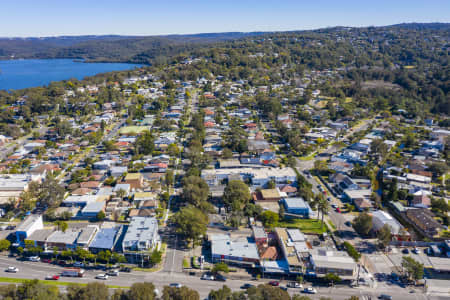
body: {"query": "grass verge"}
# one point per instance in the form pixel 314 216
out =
pixel 53 282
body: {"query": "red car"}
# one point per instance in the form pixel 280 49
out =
pixel 338 209
pixel 46 260
pixel 52 277
pixel 274 283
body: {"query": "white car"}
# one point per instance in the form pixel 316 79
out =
pixel 207 277
pixel 12 270
pixel 113 273
pixel 416 250
pixel 310 290
pixel 102 276
pixel 34 258
pixel 176 285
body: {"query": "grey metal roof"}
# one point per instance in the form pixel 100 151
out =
pixel 104 239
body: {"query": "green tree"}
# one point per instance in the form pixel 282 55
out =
pixel 363 223
pixel 195 190
pixel 101 215
pixel 191 222
pixel 93 290
pixel 156 257
pixel 145 143
pixel 236 195
pixel 384 235
pixel 227 153
pixel 33 289
pixel 170 178
pixel 224 293
pixel 352 251
pixel 220 267
pixel 62 225
pixel 140 291
pixel 269 219
pixel 413 269
pixel 183 293
pixel 267 292
pixel 332 278
pixel 4 245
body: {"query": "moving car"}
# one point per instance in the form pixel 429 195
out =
pixel 310 290
pixel 125 269
pixel 176 285
pixel 294 285
pixel 72 272
pixel 247 286
pixel 52 277
pixel 274 283
pixel 207 277
pixel 101 276
pixel 12 270
pixel 113 273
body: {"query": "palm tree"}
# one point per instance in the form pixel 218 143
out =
pixel 323 206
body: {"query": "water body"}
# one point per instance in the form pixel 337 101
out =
pixel 25 73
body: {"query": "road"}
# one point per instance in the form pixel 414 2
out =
pixel 6 150
pixel 31 270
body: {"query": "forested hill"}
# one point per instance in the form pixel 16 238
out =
pixel 141 49
pixel 151 49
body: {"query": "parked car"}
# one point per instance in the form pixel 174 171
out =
pixel 113 273
pixel 125 269
pixel 416 250
pixel 333 205
pixel 338 209
pixel 176 285
pixel 274 283
pixel 246 286
pixel 47 260
pixel 310 290
pixel 52 277
pixel 102 276
pixel 348 224
pixel 78 264
pixel 329 199
pixel 385 297
pixel 220 277
pixel 34 258
pixel 207 277
pixel 294 285
pixel 12 270
pixel 405 251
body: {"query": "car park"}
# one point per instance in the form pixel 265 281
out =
pixel 102 276
pixel 12 270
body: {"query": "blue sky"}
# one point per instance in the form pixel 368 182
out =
pixel 149 17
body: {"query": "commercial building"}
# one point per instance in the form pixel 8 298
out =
pixel 27 227
pixel 297 206
pixel 142 234
pixel 240 251
pixel 326 261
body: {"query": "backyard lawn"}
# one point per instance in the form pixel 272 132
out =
pixel 305 225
